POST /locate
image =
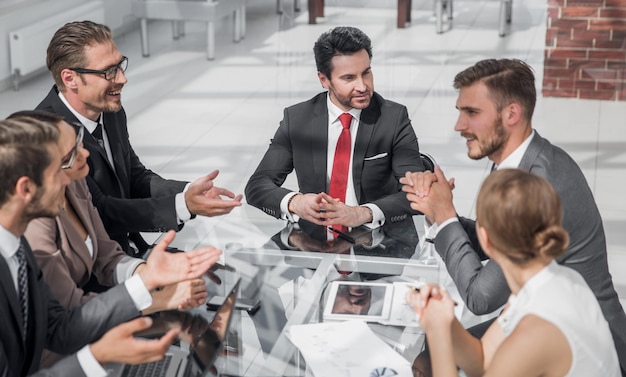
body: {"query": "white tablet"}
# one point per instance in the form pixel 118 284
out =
pixel 382 302
pixel 367 301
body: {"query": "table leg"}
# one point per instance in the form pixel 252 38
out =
pixel 404 13
pixel 312 11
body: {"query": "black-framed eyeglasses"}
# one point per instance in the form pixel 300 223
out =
pixel 109 73
pixel 68 161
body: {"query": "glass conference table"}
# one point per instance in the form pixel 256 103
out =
pixel 286 269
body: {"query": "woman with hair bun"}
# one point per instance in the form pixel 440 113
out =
pixel 552 324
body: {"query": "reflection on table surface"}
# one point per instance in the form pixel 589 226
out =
pixel 288 267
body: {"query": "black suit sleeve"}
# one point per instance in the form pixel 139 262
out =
pixel 263 189
pixel 139 214
pixel 404 152
pixel 146 202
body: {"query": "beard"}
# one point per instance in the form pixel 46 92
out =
pixel 37 208
pixel 493 144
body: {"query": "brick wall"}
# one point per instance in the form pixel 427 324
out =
pixel 585 54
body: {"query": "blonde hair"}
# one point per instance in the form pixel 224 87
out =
pixel 522 214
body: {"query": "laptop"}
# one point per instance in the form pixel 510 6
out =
pixel 206 341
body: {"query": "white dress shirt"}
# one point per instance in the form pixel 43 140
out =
pixel 334 130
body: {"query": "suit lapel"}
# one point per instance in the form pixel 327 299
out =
pixel 73 238
pixel 369 118
pixel 115 143
pixel 6 284
pixel 89 141
pixel 534 149
pixel 95 151
pixel 317 134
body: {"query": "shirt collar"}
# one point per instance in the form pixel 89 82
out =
pixel 536 281
pixel 334 111
pixel 514 159
pixel 89 124
pixel 8 243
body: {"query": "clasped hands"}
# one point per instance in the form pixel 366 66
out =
pixel 430 193
pixel 433 307
pixel 322 209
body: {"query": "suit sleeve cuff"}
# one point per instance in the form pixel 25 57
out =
pixel 125 268
pixel 378 217
pixel 138 292
pixel 182 212
pixel 89 364
pixel 284 208
pixel 444 224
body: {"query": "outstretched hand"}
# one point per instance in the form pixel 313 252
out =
pixel 165 268
pixel 206 199
pixel 185 295
pixel 119 344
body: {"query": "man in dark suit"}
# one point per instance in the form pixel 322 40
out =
pixel 496 102
pixel 358 185
pixel 31 185
pixel 88 70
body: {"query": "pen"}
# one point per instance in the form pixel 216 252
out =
pixel 417 289
pixel 342 235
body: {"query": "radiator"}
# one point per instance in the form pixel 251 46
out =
pixel 27 45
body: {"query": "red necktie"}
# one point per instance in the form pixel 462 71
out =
pixel 341 163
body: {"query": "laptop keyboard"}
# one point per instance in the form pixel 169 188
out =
pixel 153 369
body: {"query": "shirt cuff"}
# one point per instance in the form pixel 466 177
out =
pixel 444 224
pixel 378 217
pixel 125 268
pixel 182 212
pixel 284 208
pixel 138 292
pixel 89 364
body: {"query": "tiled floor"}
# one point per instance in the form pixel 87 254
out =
pixel 188 116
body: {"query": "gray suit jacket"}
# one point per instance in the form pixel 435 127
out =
pixel 301 144
pixel 52 326
pixel 484 288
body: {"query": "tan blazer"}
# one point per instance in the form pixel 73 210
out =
pixel 63 255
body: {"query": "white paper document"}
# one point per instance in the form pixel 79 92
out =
pixel 348 349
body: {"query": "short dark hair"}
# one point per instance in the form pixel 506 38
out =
pixel 67 47
pixel 23 152
pixel 520 228
pixel 342 40
pixel 508 81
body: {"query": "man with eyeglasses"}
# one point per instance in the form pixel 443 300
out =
pixel 88 70
pixel 32 185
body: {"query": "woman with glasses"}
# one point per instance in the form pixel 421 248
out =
pixel 552 324
pixel 73 247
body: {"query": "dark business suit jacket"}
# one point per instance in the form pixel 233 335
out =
pixel 62 254
pixel 301 143
pixel 129 198
pixel 50 325
pixel 484 289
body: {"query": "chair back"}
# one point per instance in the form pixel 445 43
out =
pixel 428 161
